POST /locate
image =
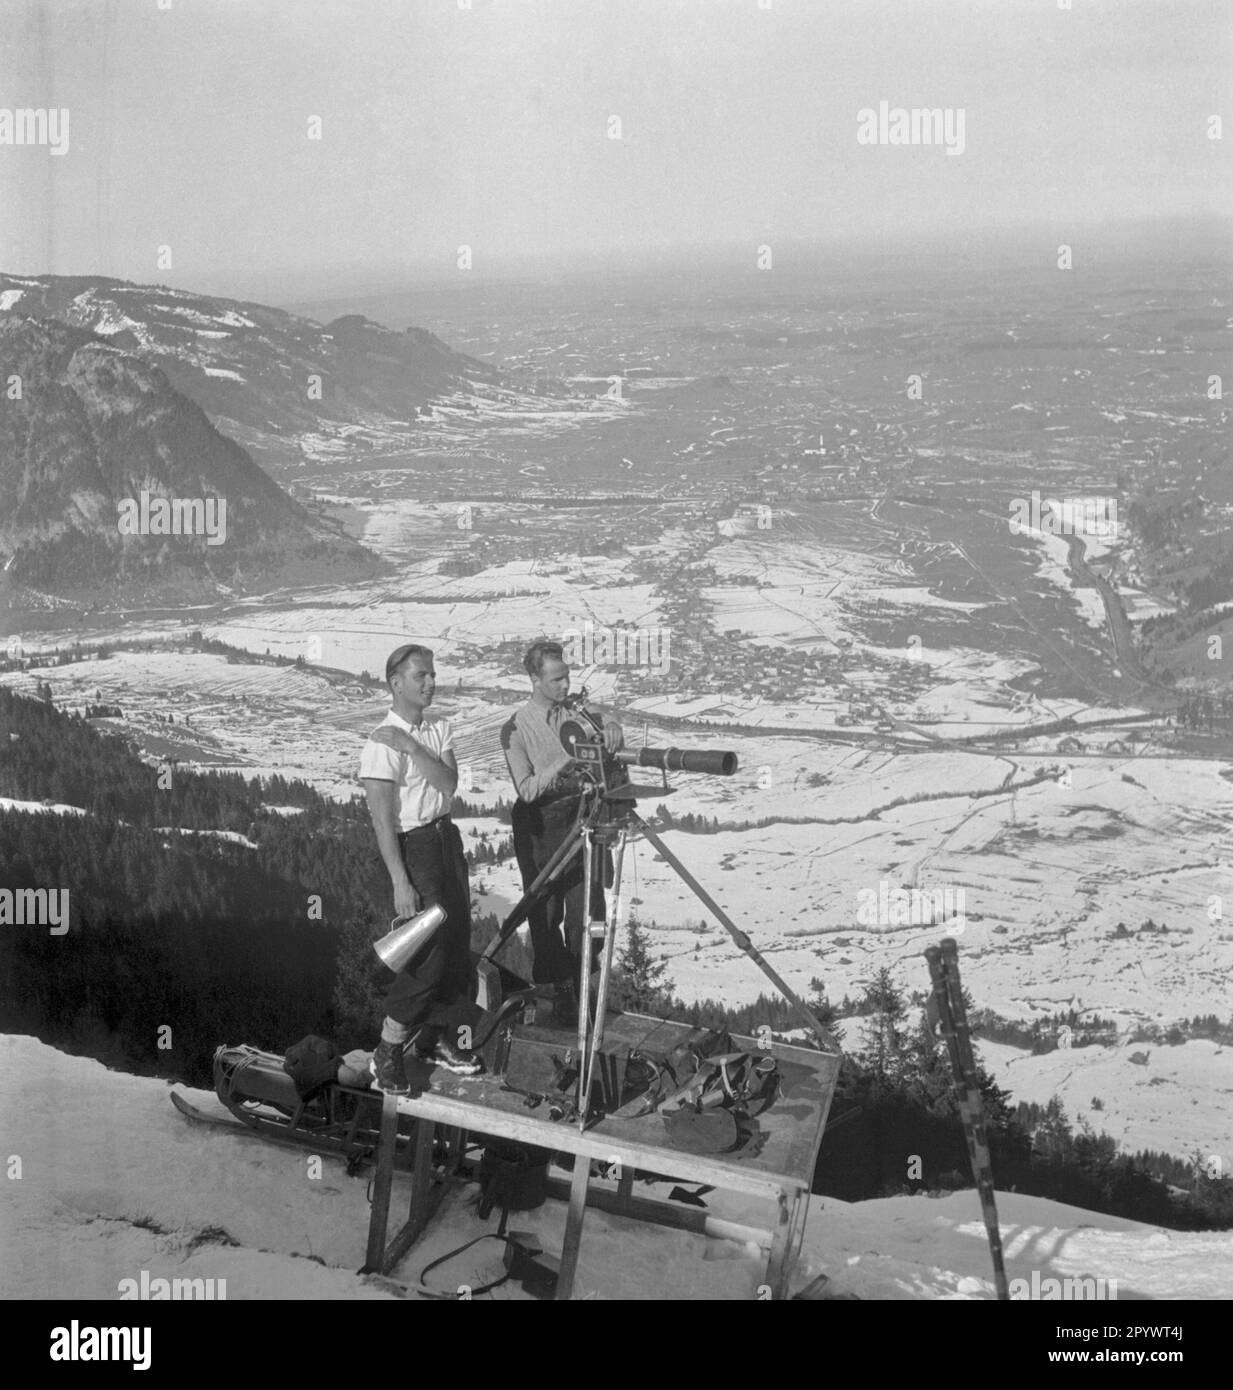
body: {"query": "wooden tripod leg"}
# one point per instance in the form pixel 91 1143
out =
pixel 584 983
pixel 382 1183
pixel 611 920
pixel 573 1227
pixel 785 1246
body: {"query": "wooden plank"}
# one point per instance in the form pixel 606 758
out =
pixel 598 1142
pixel 789 1231
pixel 426 1197
pixel 383 1181
pixel 794 1248
pixel 573 1229
pixel 659 1213
pixel 421 1181
pixel 625 1187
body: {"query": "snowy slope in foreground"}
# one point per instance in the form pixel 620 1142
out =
pixel 113 1181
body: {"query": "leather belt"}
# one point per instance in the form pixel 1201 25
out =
pixel 428 825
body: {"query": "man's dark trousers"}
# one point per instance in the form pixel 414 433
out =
pixel 433 989
pixel 539 829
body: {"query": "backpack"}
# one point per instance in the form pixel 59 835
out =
pixel 312 1064
pixel 706 1091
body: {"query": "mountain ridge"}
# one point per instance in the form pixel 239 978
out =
pixel 261 374
pixel 87 426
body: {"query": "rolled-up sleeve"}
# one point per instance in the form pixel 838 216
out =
pixel 529 783
pixel 381 763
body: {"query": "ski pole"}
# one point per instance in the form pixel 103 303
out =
pixel 953 1019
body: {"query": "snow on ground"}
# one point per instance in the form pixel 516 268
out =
pixel 231 836
pixel 1140 606
pixel 261 719
pixel 973 703
pixel 451 425
pixel 458 617
pixel 1053 564
pixel 51 808
pixel 151 1192
pixel 405 529
pixel 913 596
pixel 1185 1091
pixel 803 591
pixel 933 1249
pixel 93 309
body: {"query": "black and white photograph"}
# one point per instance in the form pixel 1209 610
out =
pixel 616 663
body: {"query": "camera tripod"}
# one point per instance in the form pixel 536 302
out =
pixel 607 818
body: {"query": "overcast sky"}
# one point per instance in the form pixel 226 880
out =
pixel 489 126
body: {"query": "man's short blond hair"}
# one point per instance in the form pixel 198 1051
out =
pixel 401 654
pixel 533 661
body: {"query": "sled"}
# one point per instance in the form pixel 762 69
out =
pixel 344 1121
pixel 261 1100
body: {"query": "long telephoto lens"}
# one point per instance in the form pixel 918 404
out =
pixel 718 762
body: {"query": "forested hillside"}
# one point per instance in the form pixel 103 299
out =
pixel 208 937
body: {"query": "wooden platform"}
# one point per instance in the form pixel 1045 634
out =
pixel 778 1167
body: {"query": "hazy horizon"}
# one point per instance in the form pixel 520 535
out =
pixel 490 127
pixel 1016 256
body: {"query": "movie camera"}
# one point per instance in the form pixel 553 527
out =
pixel 582 737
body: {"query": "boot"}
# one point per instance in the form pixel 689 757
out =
pixel 387 1070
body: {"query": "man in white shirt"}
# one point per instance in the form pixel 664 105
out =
pixel 409 774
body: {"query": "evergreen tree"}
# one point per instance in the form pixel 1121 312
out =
pixel 818 1004
pixel 641 977
pixel 928 1072
pixel 1212 1192
pixel 359 983
pixel 1052 1138
pixel 884 1036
